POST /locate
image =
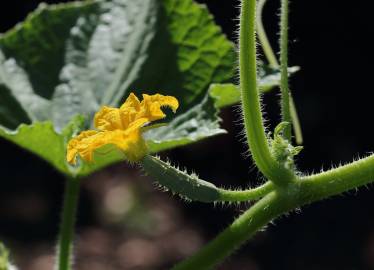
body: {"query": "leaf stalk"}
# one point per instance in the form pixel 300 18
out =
pixel 285 92
pixel 246 195
pixel 273 62
pixel 66 234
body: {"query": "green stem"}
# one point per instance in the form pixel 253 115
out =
pixel 246 195
pixel 335 181
pixel 273 62
pixel 306 190
pixel 65 240
pixel 296 122
pixel 256 137
pixel 242 229
pixel 286 114
pixel 286 197
pixel 261 33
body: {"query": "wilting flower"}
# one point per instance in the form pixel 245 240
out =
pixel 121 127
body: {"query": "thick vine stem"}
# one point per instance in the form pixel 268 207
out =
pixel 66 234
pixel 338 180
pixel 284 199
pixel 257 140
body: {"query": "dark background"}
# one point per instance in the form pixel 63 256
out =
pixel 331 41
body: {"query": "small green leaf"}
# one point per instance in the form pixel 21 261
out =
pixel 228 94
pixel 188 186
pixel 225 94
pixel 281 149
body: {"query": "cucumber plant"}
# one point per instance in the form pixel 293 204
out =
pixel 67 61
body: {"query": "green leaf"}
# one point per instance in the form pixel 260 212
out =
pixel 228 94
pixel 15 80
pixel 73 52
pixel 70 59
pixel 39 43
pixel 225 94
pixel 186 185
pixel 82 55
pixel 11 112
pixel 187 32
pixel 41 139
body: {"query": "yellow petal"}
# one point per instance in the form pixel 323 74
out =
pixel 131 102
pixel 132 144
pixel 152 104
pixel 162 101
pixel 121 127
pixel 79 143
pixel 150 108
pixel 137 124
pixel 108 119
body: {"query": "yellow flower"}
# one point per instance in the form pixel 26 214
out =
pixel 121 127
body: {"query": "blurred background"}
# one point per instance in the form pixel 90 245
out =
pixel 124 222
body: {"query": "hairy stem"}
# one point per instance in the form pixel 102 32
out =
pixel 265 44
pixel 305 190
pixel 335 181
pixel 66 234
pixel 284 198
pixel 273 62
pixel 256 137
pixel 286 114
pixel 296 122
pixel 246 195
pixel 254 127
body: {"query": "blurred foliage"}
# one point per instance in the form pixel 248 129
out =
pixel 4 257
